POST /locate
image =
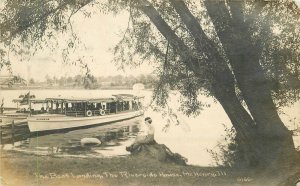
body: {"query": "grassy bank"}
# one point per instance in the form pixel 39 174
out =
pixel 23 169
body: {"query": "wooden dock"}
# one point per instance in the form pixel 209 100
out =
pixel 13 132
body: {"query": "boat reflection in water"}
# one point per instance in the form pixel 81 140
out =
pixel 114 138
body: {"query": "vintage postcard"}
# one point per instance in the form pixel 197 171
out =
pixel 149 92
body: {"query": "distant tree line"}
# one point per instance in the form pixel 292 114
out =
pixel 13 80
pixel 91 82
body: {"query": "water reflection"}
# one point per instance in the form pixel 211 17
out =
pixel 114 138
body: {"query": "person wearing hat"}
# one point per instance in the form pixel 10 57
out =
pixel 146 137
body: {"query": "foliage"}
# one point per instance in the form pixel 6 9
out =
pixel 229 152
pixel 79 81
pixel 89 82
pixel 15 80
pixel 25 98
pixel 282 52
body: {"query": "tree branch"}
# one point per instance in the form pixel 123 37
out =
pixel 203 43
pixel 177 44
pixel 41 18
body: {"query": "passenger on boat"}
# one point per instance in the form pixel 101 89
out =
pixel 98 106
pixel 146 137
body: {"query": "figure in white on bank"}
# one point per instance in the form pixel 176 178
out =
pixel 145 137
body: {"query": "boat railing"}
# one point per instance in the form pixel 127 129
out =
pixel 85 113
pixel 55 111
pixel 88 112
pixel 75 113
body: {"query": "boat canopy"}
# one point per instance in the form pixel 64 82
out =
pixel 127 96
pixel 113 98
pixel 100 100
pixel 21 100
pixel 57 100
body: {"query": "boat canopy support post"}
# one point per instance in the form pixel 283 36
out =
pixel 85 108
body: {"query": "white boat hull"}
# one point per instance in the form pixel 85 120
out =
pixel 51 122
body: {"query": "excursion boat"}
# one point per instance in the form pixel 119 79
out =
pixel 70 113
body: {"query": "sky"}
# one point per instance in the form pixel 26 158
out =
pixel 99 33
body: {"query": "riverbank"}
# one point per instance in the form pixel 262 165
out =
pixel 25 169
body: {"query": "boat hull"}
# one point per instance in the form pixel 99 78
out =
pixel 61 122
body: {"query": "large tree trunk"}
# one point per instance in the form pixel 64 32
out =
pixel 265 137
pixel 244 58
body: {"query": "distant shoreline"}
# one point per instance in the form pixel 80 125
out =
pixel 68 88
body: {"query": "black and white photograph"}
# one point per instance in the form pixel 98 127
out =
pixel 149 92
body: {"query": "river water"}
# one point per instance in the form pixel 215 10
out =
pixel 191 138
